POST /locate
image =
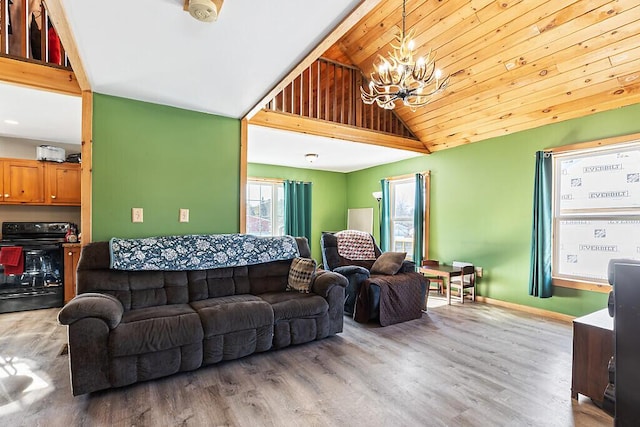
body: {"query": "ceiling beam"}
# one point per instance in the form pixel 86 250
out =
pixel 295 123
pixel 61 24
pixel 33 75
pixel 358 13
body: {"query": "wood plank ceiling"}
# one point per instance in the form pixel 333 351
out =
pixel 515 64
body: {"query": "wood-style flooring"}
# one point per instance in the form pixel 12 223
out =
pixel 460 365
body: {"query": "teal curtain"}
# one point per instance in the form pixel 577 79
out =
pixel 297 209
pixel 418 220
pixel 540 272
pixel 385 237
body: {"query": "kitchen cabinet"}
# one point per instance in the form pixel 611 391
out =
pixel 71 257
pixel 63 183
pixel 33 182
pixel 23 181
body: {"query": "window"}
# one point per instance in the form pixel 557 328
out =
pixel 265 208
pixel 596 211
pixel 402 200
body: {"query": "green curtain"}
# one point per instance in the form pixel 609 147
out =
pixel 540 273
pixel 418 220
pixel 385 237
pixel 297 209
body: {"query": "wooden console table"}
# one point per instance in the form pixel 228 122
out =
pixel 592 349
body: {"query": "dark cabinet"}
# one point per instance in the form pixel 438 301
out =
pixel 592 349
pixel 626 292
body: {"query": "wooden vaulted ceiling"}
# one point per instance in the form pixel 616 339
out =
pixel 515 64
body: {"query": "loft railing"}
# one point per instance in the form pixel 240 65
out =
pixel 26 32
pixel 330 91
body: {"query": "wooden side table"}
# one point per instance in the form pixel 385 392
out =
pixel 446 272
pixel 592 349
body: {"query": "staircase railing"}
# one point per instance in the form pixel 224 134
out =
pixel 26 32
pixel 330 91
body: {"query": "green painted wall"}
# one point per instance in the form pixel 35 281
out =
pixel 162 159
pixel 328 200
pixel 481 201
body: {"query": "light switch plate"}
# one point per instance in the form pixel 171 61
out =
pixel 136 215
pixel 184 215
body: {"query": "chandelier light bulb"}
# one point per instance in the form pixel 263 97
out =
pixel 411 45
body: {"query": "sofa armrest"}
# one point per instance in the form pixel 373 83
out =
pixel 347 270
pixel 96 305
pixel 325 280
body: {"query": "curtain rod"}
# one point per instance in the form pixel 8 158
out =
pixel 276 180
pixel 409 175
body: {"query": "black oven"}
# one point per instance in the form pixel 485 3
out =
pixel 37 280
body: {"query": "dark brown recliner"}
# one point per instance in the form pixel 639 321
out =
pixel 358 271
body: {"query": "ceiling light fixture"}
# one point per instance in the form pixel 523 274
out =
pixel 414 81
pixel 12 122
pixel 311 157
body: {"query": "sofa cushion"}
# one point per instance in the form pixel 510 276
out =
pixel 388 263
pixel 233 313
pixel 152 329
pixel 300 274
pixel 293 305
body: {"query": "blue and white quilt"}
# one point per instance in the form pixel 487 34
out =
pixel 199 251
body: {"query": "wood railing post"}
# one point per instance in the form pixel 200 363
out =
pixel 4 23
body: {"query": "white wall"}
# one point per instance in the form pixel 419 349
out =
pixel 17 148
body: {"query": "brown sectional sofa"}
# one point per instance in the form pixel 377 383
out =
pixel 131 326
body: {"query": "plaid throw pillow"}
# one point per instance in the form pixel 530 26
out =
pixel 301 273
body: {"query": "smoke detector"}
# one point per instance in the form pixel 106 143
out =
pixel 204 10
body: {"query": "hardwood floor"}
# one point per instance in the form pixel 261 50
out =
pixel 471 365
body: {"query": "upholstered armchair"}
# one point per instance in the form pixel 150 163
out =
pixel 358 273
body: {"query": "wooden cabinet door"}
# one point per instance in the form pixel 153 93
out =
pixel 63 183
pixel 23 181
pixel 71 257
pixel 1 181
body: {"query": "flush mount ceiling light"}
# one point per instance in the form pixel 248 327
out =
pixel 203 10
pixel 311 157
pixel 402 77
pixel 12 122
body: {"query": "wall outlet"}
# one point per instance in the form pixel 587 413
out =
pixel 136 215
pixel 184 215
pixel 479 271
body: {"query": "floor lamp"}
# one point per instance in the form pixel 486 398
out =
pixel 378 196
